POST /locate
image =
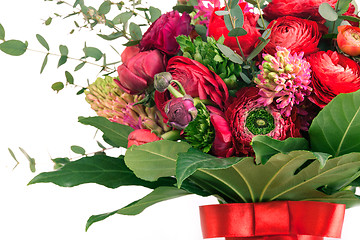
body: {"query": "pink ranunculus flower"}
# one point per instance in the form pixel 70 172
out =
pixel 162 33
pixel 141 136
pixel 129 52
pixel 137 73
pixel 180 111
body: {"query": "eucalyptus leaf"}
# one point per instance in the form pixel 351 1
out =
pixel 237 15
pixel 93 52
pixel 104 7
pixel 336 129
pixel 183 8
pixel 58 86
pixel 112 36
pixel 343 6
pixel 2 32
pixel 79 66
pixel 13 47
pixel 48 21
pixel 201 30
pixel 228 52
pixel 42 41
pixel 44 63
pixel 194 159
pixel 155 13
pixel 69 77
pixel 233 3
pixel 265 147
pixel 237 32
pixel 78 149
pixel 327 12
pixel 31 160
pixel 257 50
pixel 135 31
pixel 222 13
pixel 62 60
pixel 245 78
pixel 154 160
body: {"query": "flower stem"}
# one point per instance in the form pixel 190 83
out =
pixel 174 92
pixel 261 15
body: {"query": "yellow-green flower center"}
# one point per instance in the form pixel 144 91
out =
pixel 260 122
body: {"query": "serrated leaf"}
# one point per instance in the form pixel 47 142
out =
pixel 327 12
pixel 44 63
pixel 194 159
pixel 2 32
pixel 265 147
pixel 154 160
pixel 155 13
pixel 30 159
pixel 336 129
pixel 229 53
pixel 104 7
pixel 117 133
pixel 69 77
pixel 58 86
pixel 78 150
pixel 112 36
pixel 13 47
pixel 78 67
pixel 42 41
pixel 237 32
pixel 135 31
pixel 93 52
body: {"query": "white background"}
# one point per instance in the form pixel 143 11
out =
pixel 44 123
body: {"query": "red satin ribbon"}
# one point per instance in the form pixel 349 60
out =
pixel 278 220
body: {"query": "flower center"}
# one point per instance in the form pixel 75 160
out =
pixel 260 122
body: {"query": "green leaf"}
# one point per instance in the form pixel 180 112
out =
pixel 42 41
pixel 117 133
pixel 69 77
pixel 48 21
pixel 131 43
pixel 135 31
pixel 154 160
pixel 201 30
pixel 233 3
pixel 238 15
pixel 194 159
pixel 265 147
pixel 78 150
pixel 183 8
pixel 237 32
pixel 81 91
pixel 2 32
pixel 253 2
pixel 222 13
pixel 93 52
pixel 13 47
pixel 349 18
pixel 257 50
pixel 155 13
pixel 13 156
pixel 62 60
pixel 327 12
pixel 343 6
pixel 30 159
pixel 158 195
pixel 261 24
pixel 112 36
pixel 228 52
pixel 64 51
pixel 44 63
pixel 336 128
pixel 104 7
pixel 245 78
pixel 124 17
pixel 80 66
pixel 57 86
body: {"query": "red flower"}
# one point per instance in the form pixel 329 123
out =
pixel 141 136
pixel 295 34
pixel 332 74
pixel 248 118
pixel 163 32
pixel 222 145
pixel 348 40
pixel 129 52
pixel 137 73
pixel 217 29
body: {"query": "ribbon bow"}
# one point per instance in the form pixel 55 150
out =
pixel 278 220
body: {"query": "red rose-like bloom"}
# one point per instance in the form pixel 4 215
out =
pixel 197 80
pixel 348 40
pixel 129 52
pixel 137 73
pixel 141 136
pixel 222 145
pixel 163 32
pixel 332 74
pixel 247 118
pixel 217 28
pixel 295 34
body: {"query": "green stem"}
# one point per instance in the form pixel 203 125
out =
pixel 171 135
pixel 261 16
pixel 180 86
pixel 174 92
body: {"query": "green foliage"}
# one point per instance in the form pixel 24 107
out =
pixel 228 52
pixel 93 52
pixel 335 130
pixel 327 12
pixel 265 147
pixel 115 133
pixel 30 159
pixel 105 7
pixel 58 86
pixel 155 13
pixel 43 42
pixel 64 51
pixel 194 159
pixel 13 47
pixel 154 160
pixel 78 149
pixel 135 32
pixel 2 32
pixel 69 77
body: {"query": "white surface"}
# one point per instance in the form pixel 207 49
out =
pixel 45 124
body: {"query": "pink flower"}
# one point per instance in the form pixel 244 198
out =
pixel 222 145
pixel 141 136
pixel 206 11
pixel 180 111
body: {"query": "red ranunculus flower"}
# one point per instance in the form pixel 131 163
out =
pixel 163 32
pixel 348 39
pixel 197 80
pixel 332 74
pixel 295 34
pixel 248 118
pixel 217 29
pixel 137 72
pixel 141 136
pixel 223 143
pixel 129 52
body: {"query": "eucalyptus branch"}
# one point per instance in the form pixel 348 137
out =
pixel 261 15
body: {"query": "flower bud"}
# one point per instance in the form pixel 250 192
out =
pixel 162 81
pixel 348 39
pixel 180 111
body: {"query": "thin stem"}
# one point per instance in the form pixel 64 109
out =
pixel 261 16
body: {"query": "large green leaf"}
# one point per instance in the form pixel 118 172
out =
pixel 336 129
pixel 13 47
pixel 194 159
pixel 115 132
pixel 265 147
pixel 100 169
pixel 158 195
pixel 154 160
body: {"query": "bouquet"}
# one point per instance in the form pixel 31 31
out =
pixel 247 101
